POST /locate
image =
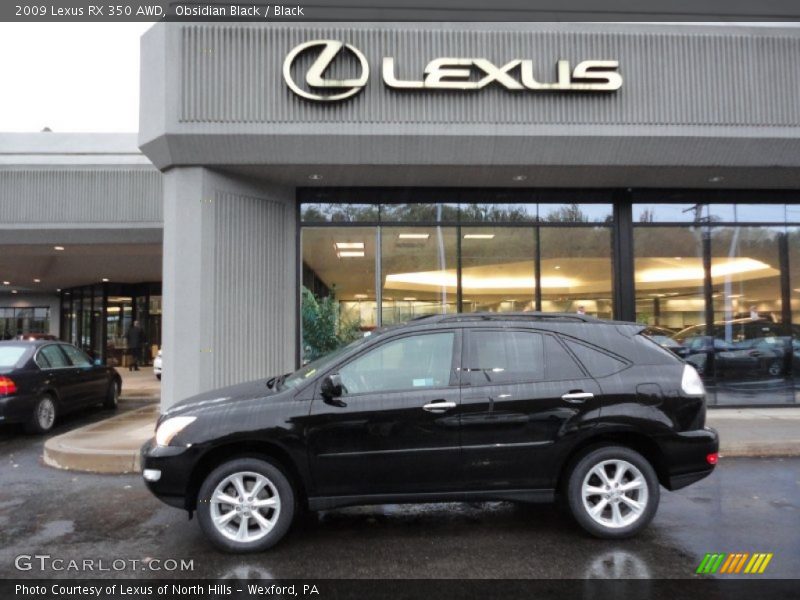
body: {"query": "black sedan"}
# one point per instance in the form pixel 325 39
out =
pixel 43 379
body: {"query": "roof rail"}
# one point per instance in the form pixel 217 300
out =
pixel 521 316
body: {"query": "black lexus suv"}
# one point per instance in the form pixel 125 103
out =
pixel 527 407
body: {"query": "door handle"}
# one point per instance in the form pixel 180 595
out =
pixel 439 407
pixel 577 397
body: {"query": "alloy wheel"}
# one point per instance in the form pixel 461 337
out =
pixel 245 506
pixel 614 493
pixel 45 413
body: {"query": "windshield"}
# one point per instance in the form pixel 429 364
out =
pixel 318 365
pixel 10 355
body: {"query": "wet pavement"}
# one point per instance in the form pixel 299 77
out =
pixel 747 505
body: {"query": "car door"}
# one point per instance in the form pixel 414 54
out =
pixel 93 382
pixel 394 430
pixel 522 393
pixel 61 375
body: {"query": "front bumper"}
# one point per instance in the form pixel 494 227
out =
pixel 687 453
pixel 173 465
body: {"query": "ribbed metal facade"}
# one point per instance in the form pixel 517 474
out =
pixel 69 195
pixel 252 286
pixel 733 77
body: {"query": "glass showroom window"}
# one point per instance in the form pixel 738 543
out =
pixel 668 275
pixel 418 271
pixel 498 272
pixel 18 321
pixel 576 270
pixel 745 273
pixel 752 357
pixel 338 295
pixel 793 245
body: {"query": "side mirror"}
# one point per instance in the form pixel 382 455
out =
pixel 331 386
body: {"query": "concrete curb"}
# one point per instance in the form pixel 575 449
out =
pixel 109 446
pixel 760 449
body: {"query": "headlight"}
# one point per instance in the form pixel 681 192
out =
pixel 691 384
pixel 170 428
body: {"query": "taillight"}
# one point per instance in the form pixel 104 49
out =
pixel 712 458
pixel 691 384
pixel 7 386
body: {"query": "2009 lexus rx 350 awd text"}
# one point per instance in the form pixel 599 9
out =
pixel 527 407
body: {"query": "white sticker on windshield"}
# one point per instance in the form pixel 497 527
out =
pixel 423 382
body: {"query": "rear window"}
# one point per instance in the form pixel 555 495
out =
pixel 10 355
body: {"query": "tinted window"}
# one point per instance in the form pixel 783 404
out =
pixel 76 357
pixel 559 364
pixel 598 363
pixel 505 357
pixel 42 361
pixel 54 356
pixel 10 355
pixel 417 361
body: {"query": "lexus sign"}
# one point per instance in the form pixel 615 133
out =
pixel 466 74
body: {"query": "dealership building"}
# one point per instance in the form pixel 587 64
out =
pixel 629 171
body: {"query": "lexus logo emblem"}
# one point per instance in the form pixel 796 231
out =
pixel 315 79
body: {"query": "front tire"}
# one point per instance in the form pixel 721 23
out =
pixel 112 396
pixel 245 505
pixel 44 415
pixel 613 492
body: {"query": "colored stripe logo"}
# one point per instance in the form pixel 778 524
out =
pixel 734 563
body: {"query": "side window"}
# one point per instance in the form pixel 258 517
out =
pixel 54 356
pixel 41 360
pixel 76 357
pixel 559 365
pixel 496 357
pixel 416 361
pixel 599 364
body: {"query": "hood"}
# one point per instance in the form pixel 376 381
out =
pixel 223 398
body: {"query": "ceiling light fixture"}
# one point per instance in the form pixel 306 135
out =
pixel 716 179
pixel 105 279
pixel 350 254
pixel 409 299
pixel 413 236
pixel 436 280
pixel 519 177
pixel 13 291
pixel 58 248
pixel 349 245
pixel 6 283
pixel 36 280
pixel 315 177
pixel 360 296
pixel 736 266
pixel 479 236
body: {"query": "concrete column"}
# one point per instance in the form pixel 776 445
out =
pixel 229 288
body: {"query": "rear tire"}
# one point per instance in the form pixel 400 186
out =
pixel 613 492
pixel 235 519
pixel 44 415
pixel 112 396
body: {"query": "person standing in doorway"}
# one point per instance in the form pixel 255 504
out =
pixel 135 339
